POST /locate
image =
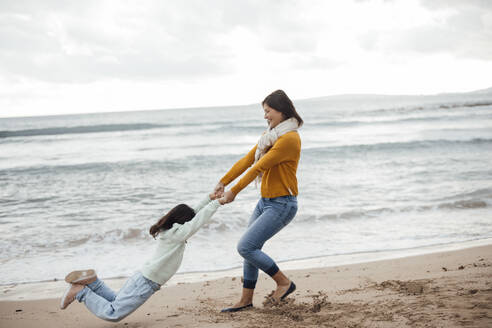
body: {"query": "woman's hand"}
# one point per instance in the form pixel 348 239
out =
pixel 219 190
pixel 227 198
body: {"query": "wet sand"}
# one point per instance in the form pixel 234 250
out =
pixel 444 289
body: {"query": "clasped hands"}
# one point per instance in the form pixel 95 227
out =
pixel 224 197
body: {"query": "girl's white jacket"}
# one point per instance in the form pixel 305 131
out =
pixel 171 243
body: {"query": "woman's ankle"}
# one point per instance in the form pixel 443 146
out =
pixel 246 296
pixel 244 302
pixel 281 279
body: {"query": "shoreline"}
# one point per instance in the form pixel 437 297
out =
pixel 50 289
pixel 450 288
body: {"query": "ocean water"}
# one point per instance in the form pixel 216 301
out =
pixel 377 173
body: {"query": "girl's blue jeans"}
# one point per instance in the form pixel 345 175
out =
pixel 111 306
pixel 269 217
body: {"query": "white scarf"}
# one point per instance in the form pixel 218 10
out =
pixel 269 137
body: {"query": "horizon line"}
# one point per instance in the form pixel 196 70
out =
pixel 489 89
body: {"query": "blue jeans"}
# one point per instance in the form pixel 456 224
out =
pixel 108 305
pixel 269 217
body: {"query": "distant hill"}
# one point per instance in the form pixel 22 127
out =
pixel 480 92
pixel 476 98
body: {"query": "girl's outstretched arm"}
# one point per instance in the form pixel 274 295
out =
pixel 202 216
pixel 203 202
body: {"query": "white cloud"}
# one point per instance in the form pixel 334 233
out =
pixel 110 42
pixel 72 56
pixel 460 28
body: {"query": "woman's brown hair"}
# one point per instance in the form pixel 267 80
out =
pixel 179 214
pixel 279 101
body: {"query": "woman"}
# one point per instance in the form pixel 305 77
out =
pixel 274 162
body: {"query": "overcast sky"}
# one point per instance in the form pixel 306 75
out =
pixel 88 56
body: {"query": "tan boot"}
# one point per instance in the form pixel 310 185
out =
pixel 69 295
pixel 81 277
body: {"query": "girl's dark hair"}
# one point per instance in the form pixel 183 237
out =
pixel 279 101
pixel 179 214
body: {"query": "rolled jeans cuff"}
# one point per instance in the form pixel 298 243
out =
pixel 80 295
pixel 250 284
pixel 272 270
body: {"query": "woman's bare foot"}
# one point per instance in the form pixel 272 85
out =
pixel 284 286
pixel 280 291
pixel 239 306
pixel 242 303
pixel 245 302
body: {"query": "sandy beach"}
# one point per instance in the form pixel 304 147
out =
pixel 442 289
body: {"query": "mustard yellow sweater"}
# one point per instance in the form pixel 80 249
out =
pixel 279 167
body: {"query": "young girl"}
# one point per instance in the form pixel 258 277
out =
pixel 173 229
